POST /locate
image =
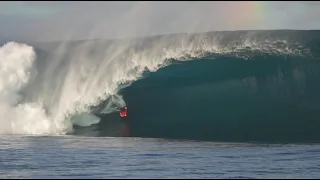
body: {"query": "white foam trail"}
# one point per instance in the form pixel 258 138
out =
pixel 16 118
pixel 84 119
pixel 113 105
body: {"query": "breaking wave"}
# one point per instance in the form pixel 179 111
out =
pixel 48 88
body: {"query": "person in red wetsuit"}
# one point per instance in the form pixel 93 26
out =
pixel 123 111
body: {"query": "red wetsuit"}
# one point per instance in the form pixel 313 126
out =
pixel 123 112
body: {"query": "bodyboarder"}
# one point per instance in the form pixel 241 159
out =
pixel 123 111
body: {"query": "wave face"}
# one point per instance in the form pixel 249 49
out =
pixel 267 98
pixel 213 85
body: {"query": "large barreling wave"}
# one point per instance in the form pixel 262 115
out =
pixel 46 88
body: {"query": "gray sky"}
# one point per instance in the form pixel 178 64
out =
pixel 50 21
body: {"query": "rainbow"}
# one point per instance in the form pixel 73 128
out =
pixel 244 14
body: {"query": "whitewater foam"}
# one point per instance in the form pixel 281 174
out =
pixel 16 62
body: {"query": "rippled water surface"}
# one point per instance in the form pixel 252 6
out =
pixel 94 157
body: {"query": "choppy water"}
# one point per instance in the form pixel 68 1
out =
pixel 94 157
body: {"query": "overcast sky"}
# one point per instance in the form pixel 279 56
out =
pixel 50 21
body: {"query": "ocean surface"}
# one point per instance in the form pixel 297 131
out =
pixel 236 104
pixel 124 157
